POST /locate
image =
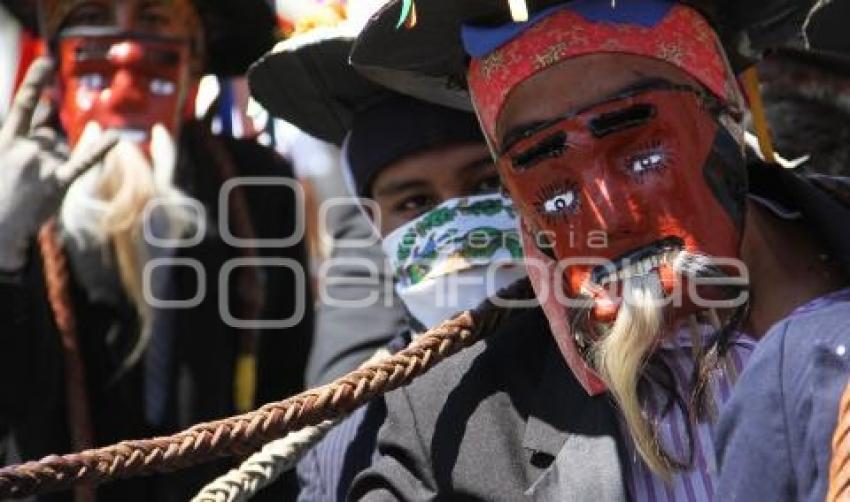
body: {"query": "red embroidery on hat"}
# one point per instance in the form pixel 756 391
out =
pixel 683 38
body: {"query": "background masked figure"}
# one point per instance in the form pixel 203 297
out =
pixel 422 176
pixel 617 130
pixel 127 317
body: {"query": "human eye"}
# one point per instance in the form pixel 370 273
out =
pixel 87 14
pixel 489 184
pixel 414 204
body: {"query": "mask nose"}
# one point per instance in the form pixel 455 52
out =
pixel 612 208
pixel 126 92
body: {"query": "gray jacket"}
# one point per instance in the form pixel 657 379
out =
pixel 503 420
pixel 346 336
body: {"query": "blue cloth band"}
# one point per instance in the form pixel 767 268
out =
pixel 479 41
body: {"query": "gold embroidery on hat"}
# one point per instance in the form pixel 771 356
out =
pixel 550 55
pixel 492 63
pixel 671 52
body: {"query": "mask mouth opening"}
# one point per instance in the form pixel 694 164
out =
pixel 131 134
pixel 638 262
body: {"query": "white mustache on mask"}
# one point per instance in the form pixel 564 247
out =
pixel 112 197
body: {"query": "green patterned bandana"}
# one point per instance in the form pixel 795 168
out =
pixel 455 256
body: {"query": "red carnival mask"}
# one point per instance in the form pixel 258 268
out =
pixel 124 82
pixel 650 171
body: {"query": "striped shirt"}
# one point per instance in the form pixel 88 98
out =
pixel 697 484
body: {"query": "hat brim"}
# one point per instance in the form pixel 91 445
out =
pixel 428 61
pixel 308 82
pixel 237 31
pixel 827 29
pixel 834 63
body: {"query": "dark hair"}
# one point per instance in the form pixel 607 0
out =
pixel 808 107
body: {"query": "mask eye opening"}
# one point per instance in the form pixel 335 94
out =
pixel 92 81
pixel 647 158
pixel 162 87
pixel 557 201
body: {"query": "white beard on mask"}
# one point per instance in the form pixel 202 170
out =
pixel 455 256
pixel 620 351
pixel 621 355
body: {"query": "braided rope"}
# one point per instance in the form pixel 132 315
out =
pixel 266 466
pixel 245 433
pixel 839 468
pixel 56 279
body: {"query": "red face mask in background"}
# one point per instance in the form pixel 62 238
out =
pixel 645 174
pixel 122 81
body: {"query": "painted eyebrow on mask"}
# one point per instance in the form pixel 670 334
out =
pixel 550 147
pixel 620 120
pixel 524 130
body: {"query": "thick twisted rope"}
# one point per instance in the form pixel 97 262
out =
pixel 264 467
pixel 56 279
pixel 839 468
pixel 267 465
pixel 245 433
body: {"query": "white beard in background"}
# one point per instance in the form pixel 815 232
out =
pixel 103 216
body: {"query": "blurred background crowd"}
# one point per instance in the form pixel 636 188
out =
pixel 227 370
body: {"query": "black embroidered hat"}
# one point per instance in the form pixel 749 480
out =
pixel 427 58
pixel 308 82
